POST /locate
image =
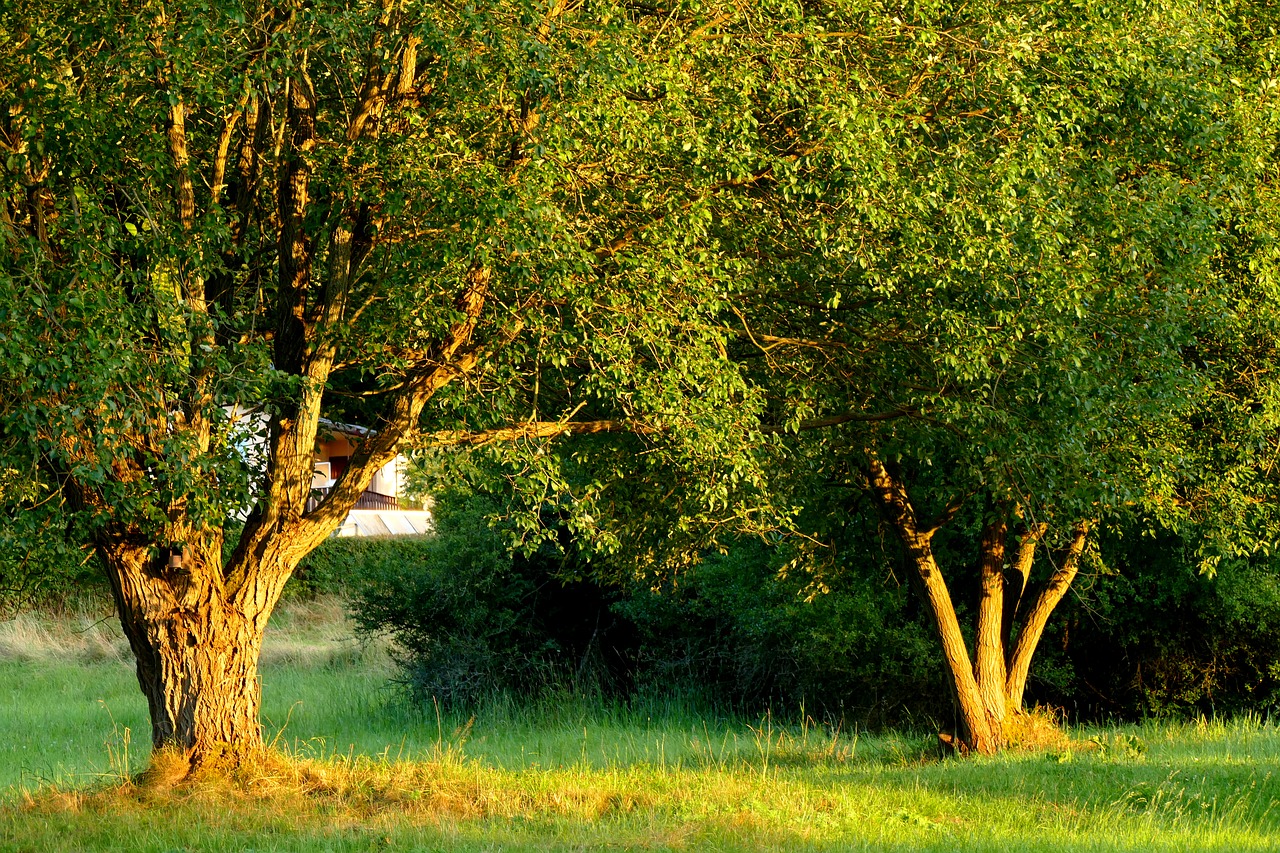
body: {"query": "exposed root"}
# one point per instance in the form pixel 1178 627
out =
pixel 949 744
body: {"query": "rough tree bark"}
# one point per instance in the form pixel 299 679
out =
pixel 987 689
pixel 196 646
pixel 989 663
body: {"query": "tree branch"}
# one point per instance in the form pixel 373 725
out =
pixel 1022 571
pixel 948 513
pixel 531 430
pixel 176 135
pixel 556 429
pixel 1038 617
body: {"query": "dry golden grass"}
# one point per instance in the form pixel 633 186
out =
pixel 1039 729
pixel 359 790
pixel 84 634
pixel 314 632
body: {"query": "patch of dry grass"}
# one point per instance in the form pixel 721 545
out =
pixel 304 633
pixel 366 790
pixel 640 806
pixel 1040 729
pixel 83 634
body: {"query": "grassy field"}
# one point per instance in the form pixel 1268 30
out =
pixel 366 773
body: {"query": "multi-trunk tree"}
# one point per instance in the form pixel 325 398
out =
pixel 977 250
pixel 984 276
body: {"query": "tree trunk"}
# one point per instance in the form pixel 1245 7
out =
pixel 989 665
pixel 196 644
pixel 977 732
pixel 1017 577
pixel 987 691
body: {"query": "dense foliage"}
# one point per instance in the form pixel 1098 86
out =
pixel 754 629
pixel 978 277
pixel 41 567
pixel 1149 634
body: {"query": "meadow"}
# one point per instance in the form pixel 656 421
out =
pixel 357 768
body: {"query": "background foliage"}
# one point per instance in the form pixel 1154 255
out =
pixel 763 626
pixel 1027 253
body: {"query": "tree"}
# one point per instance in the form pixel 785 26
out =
pixel 381 211
pixel 978 245
pixel 983 276
pixel 1236 435
pixel 979 250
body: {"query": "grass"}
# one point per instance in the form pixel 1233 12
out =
pixel 365 772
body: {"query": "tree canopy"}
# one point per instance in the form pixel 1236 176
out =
pixel 987 252
pixel 962 256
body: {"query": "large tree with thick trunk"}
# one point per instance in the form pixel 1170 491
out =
pixel 394 213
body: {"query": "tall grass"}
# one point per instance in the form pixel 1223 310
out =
pixel 365 770
pixel 82 633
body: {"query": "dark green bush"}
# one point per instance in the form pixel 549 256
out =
pixel 732 631
pixel 754 628
pixel 1152 635
pixel 740 632
pixel 342 565
pixel 472 619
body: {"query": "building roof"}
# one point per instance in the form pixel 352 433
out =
pixel 386 522
pixel 344 429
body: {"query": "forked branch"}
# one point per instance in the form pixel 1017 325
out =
pixel 1038 617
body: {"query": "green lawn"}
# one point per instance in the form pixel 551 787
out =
pixel 370 774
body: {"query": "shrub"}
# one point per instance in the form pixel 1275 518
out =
pixel 753 628
pixel 41 567
pixel 1153 636
pixel 472 619
pixel 742 633
pixel 342 565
